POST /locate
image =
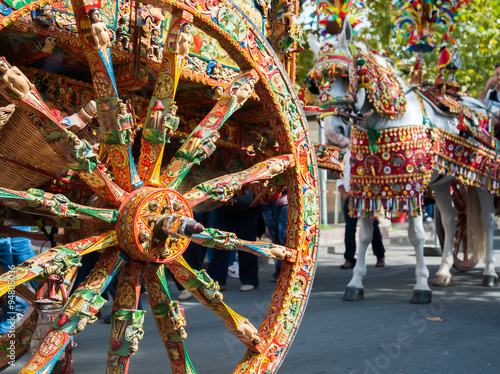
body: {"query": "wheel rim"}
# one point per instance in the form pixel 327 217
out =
pixel 463 258
pixel 279 99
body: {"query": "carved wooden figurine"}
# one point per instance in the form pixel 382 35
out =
pixel 244 91
pixel 218 91
pixel 170 123
pixel 49 43
pixel 99 30
pixel 80 119
pixel 155 44
pixel 291 21
pixel 290 16
pixel 123 33
pixel 184 41
pixel 125 123
pixel 15 79
pixel 43 17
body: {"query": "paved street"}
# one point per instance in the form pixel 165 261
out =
pixel 382 334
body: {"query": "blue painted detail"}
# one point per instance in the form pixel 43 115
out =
pixel 5 10
pixel 109 68
pixel 134 175
pixel 258 248
pixel 121 261
pixel 123 257
pixel 201 236
pixel 243 44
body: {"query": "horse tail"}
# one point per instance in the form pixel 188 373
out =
pixel 476 235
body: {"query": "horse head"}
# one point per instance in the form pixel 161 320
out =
pixel 354 86
pixel 334 80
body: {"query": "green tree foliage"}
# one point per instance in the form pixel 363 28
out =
pixel 477 32
pixel 305 61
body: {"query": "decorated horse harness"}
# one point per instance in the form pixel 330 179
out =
pixel 391 169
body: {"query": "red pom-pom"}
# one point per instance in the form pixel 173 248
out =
pixel 56 114
pixel 115 344
pixel 198 134
pixel 63 319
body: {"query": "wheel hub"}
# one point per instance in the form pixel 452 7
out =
pixel 154 225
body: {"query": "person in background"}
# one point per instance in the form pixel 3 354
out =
pixel 240 219
pixel 492 89
pixel 13 252
pixel 429 213
pixel 491 98
pixel 351 223
pixel 275 216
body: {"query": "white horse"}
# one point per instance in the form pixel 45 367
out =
pixel 356 108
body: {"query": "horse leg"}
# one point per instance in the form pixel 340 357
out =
pixel 355 289
pixel 486 199
pixel 422 294
pixel 449 221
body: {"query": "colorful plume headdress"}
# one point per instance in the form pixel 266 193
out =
pixel 340 10
pixel 423 18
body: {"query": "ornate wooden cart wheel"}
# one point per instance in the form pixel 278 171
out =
pixel 463 258
pixel 144 219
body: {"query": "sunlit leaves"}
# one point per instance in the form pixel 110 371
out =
pixel 477 33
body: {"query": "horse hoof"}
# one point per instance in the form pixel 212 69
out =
pixel 442 280
pixel 489 281
pixel 421 297
pixel 353 294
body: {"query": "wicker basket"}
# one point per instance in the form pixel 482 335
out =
pixel 5 114
pixel 23 144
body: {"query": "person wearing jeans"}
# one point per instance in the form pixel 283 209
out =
pixel 275 216
pixel 240 219
pixel 13 252
pixel 351 223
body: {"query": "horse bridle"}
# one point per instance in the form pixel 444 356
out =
pixel 339 112
pixel 335 111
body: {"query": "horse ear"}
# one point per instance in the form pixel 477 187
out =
pixel 313 43
pixel 345 35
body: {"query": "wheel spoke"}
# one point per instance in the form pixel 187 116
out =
pixel 126 320
pixel 78 154
pixel 161 120
pixel 200 144
pixel 21 290
pixel 207 291
pixel 108 191
pixel 214 193
pixel 117 119
pixel 56 260
pixel 46 204
pixel 228 241
pixel 79 311
pixel 169 318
